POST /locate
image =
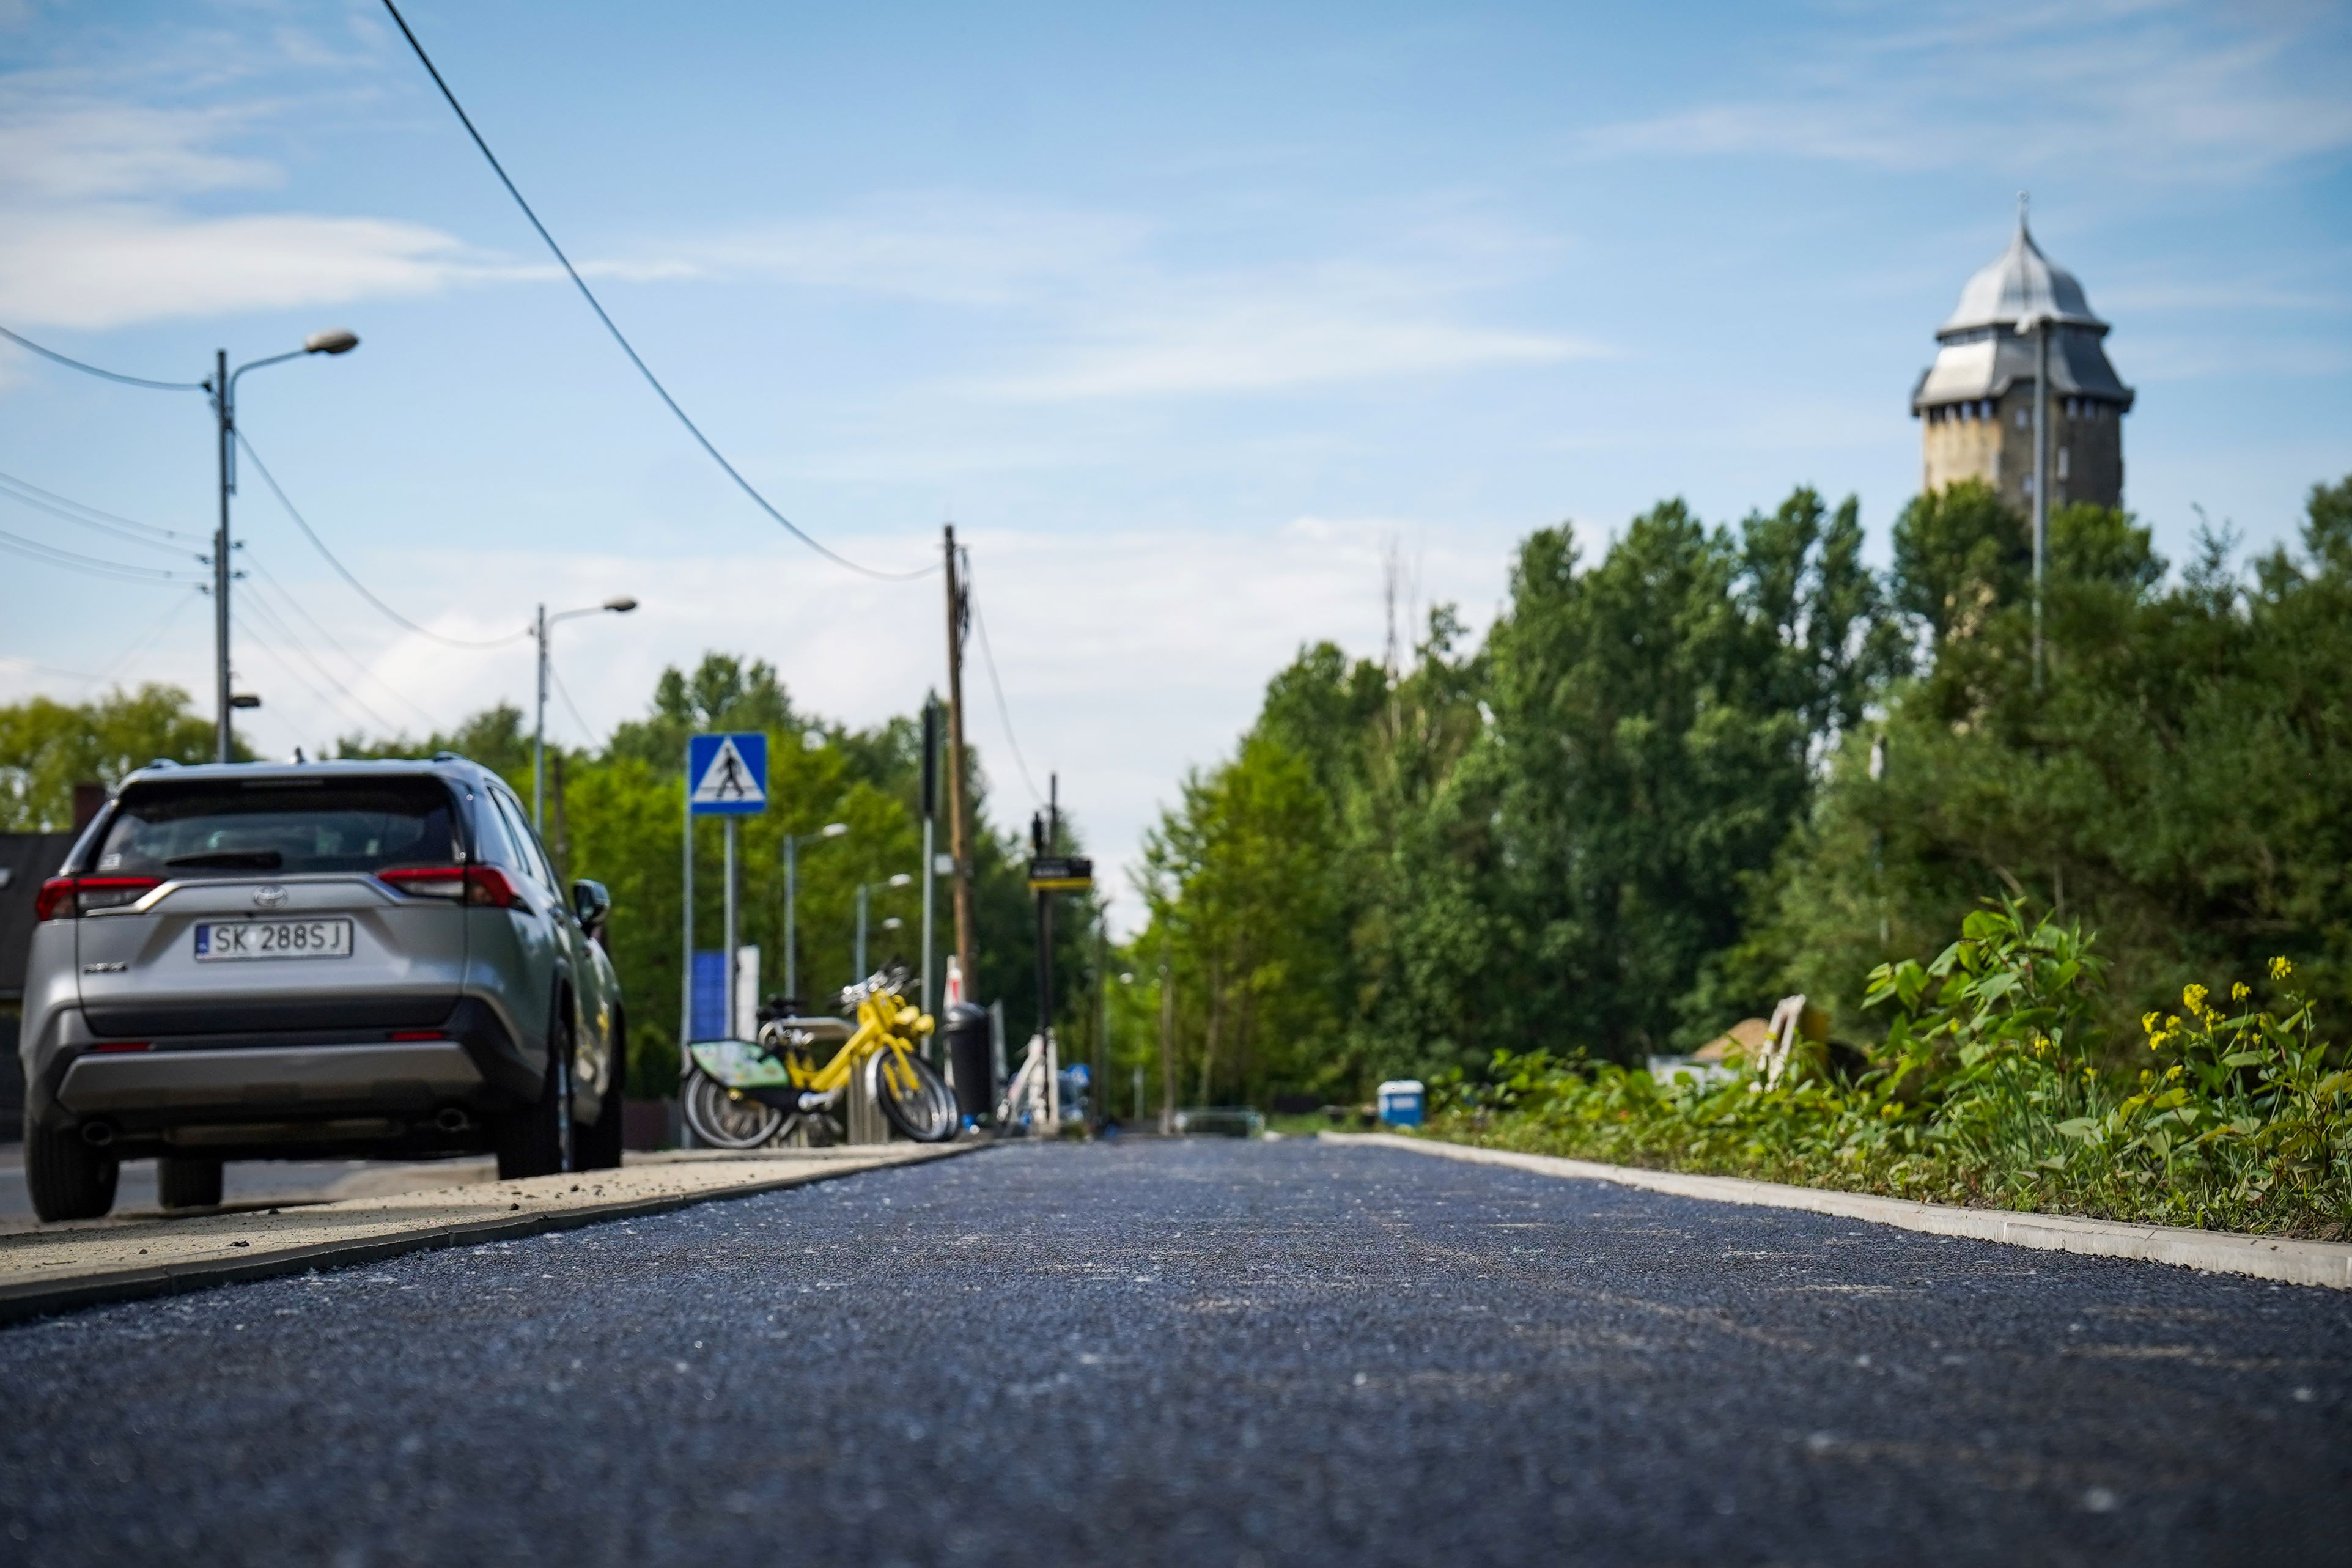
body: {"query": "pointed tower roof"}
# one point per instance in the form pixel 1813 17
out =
pixel 2020 284
pixel 1982 353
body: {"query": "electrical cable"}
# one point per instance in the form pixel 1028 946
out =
pixel 257 605
pixel 25 343
pixel 154 635
pixel 107 529
pixel 587 730
pixel 361 588
pixel 9 482
pixel 642 369
pixel 73 560
pixel 988 657
pixel 287 599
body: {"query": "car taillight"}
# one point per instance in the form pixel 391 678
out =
pixel 426 880
pixel 487 886
pixel 66 897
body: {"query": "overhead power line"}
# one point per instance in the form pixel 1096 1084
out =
pixel 587 730
pixel 73 511
pixel 287 600
pixel 91 565
pixel 988 658
pixel 618 337
pixel 357 587
pixel 257 605
pixel 24 342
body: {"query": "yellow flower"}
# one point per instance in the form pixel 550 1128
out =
pixel 2240 991
pixel 2192 997
pixel 2280 968
pixel 2147 1023
pixel 2172 1072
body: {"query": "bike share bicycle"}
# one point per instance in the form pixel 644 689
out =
pixel 746 1094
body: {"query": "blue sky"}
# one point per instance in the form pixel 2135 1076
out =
pixel 1187 317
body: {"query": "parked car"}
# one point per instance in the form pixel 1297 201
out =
pixel 245 961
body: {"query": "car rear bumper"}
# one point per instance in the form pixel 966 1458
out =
pixel 154 1088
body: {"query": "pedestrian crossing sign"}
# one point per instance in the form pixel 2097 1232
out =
pixel 726 775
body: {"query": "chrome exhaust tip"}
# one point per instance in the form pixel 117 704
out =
pixel 97 1135
pixel 449 1119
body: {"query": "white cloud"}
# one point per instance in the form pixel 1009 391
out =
pixel 97 266
pixel 1263 337
pixel 2157 91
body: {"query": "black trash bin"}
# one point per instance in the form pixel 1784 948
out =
pixel 971 1059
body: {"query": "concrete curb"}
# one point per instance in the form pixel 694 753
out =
pixel 41 1298
pixel 2294 1263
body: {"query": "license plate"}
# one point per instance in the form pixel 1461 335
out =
pixel 217 940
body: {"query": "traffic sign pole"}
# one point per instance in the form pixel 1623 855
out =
pixel 731 1012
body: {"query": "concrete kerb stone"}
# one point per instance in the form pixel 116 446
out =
pixel 2284 1259
pixel 23 1298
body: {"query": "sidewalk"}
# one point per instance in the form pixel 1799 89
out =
pixel 62 1266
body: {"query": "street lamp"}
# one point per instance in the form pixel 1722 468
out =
pixel 619 604
pixel 223 386
pixel 899 879
pixel 2040 324
pixel 791 901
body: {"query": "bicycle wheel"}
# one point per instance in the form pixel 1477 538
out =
pixel 912 1096
pixel 724 1120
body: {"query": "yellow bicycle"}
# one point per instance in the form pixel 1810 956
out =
pixel 745 1094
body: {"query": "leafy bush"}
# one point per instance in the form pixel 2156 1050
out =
pixel 1987 1091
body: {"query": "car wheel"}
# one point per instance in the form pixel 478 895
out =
pixel 187 1181
pixel 65 1177
pixel 536 1140
pixel 599 1143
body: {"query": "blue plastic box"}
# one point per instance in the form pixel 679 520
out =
pixel 1401 1101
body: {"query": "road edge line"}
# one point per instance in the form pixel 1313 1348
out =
pixel 40 1299
pixel 2286 1259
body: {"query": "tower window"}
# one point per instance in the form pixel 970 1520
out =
pixel 2061 463
pixel 2024 419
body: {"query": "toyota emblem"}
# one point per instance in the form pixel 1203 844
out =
pixel 269 897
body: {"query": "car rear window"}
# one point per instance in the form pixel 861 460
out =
pixel 237 827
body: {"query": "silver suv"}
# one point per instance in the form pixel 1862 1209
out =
pixel 358 959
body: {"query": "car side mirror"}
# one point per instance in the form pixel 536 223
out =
pixel 592 906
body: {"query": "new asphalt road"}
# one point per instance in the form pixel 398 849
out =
pixel 1193 1353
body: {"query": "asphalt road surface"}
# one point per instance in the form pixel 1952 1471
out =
pixel 1198 1352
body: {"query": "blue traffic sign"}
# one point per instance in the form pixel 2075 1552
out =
pixel 726 775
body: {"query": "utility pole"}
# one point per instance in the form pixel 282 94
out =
pixel 2042 326
pixel 538 728
pixel 930 852
pixel 857 959
pixel 1166 1045
pixel 1098 1087
pixel 223 386
pixel 958 796
pixel 224 744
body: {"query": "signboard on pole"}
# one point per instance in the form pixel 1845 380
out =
pixel 726 775
pixel 1061 874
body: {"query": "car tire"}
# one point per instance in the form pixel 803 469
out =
pixel 187 1181
pixel 65 1177
pixel 536 1139
pixel 598 1145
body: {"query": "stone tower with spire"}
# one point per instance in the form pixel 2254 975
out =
pixel 1975 403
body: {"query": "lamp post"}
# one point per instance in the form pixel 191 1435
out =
pixel 865 891
pixel 791 902
pixel 2040 326
pixel 620 605
pixel 223 386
